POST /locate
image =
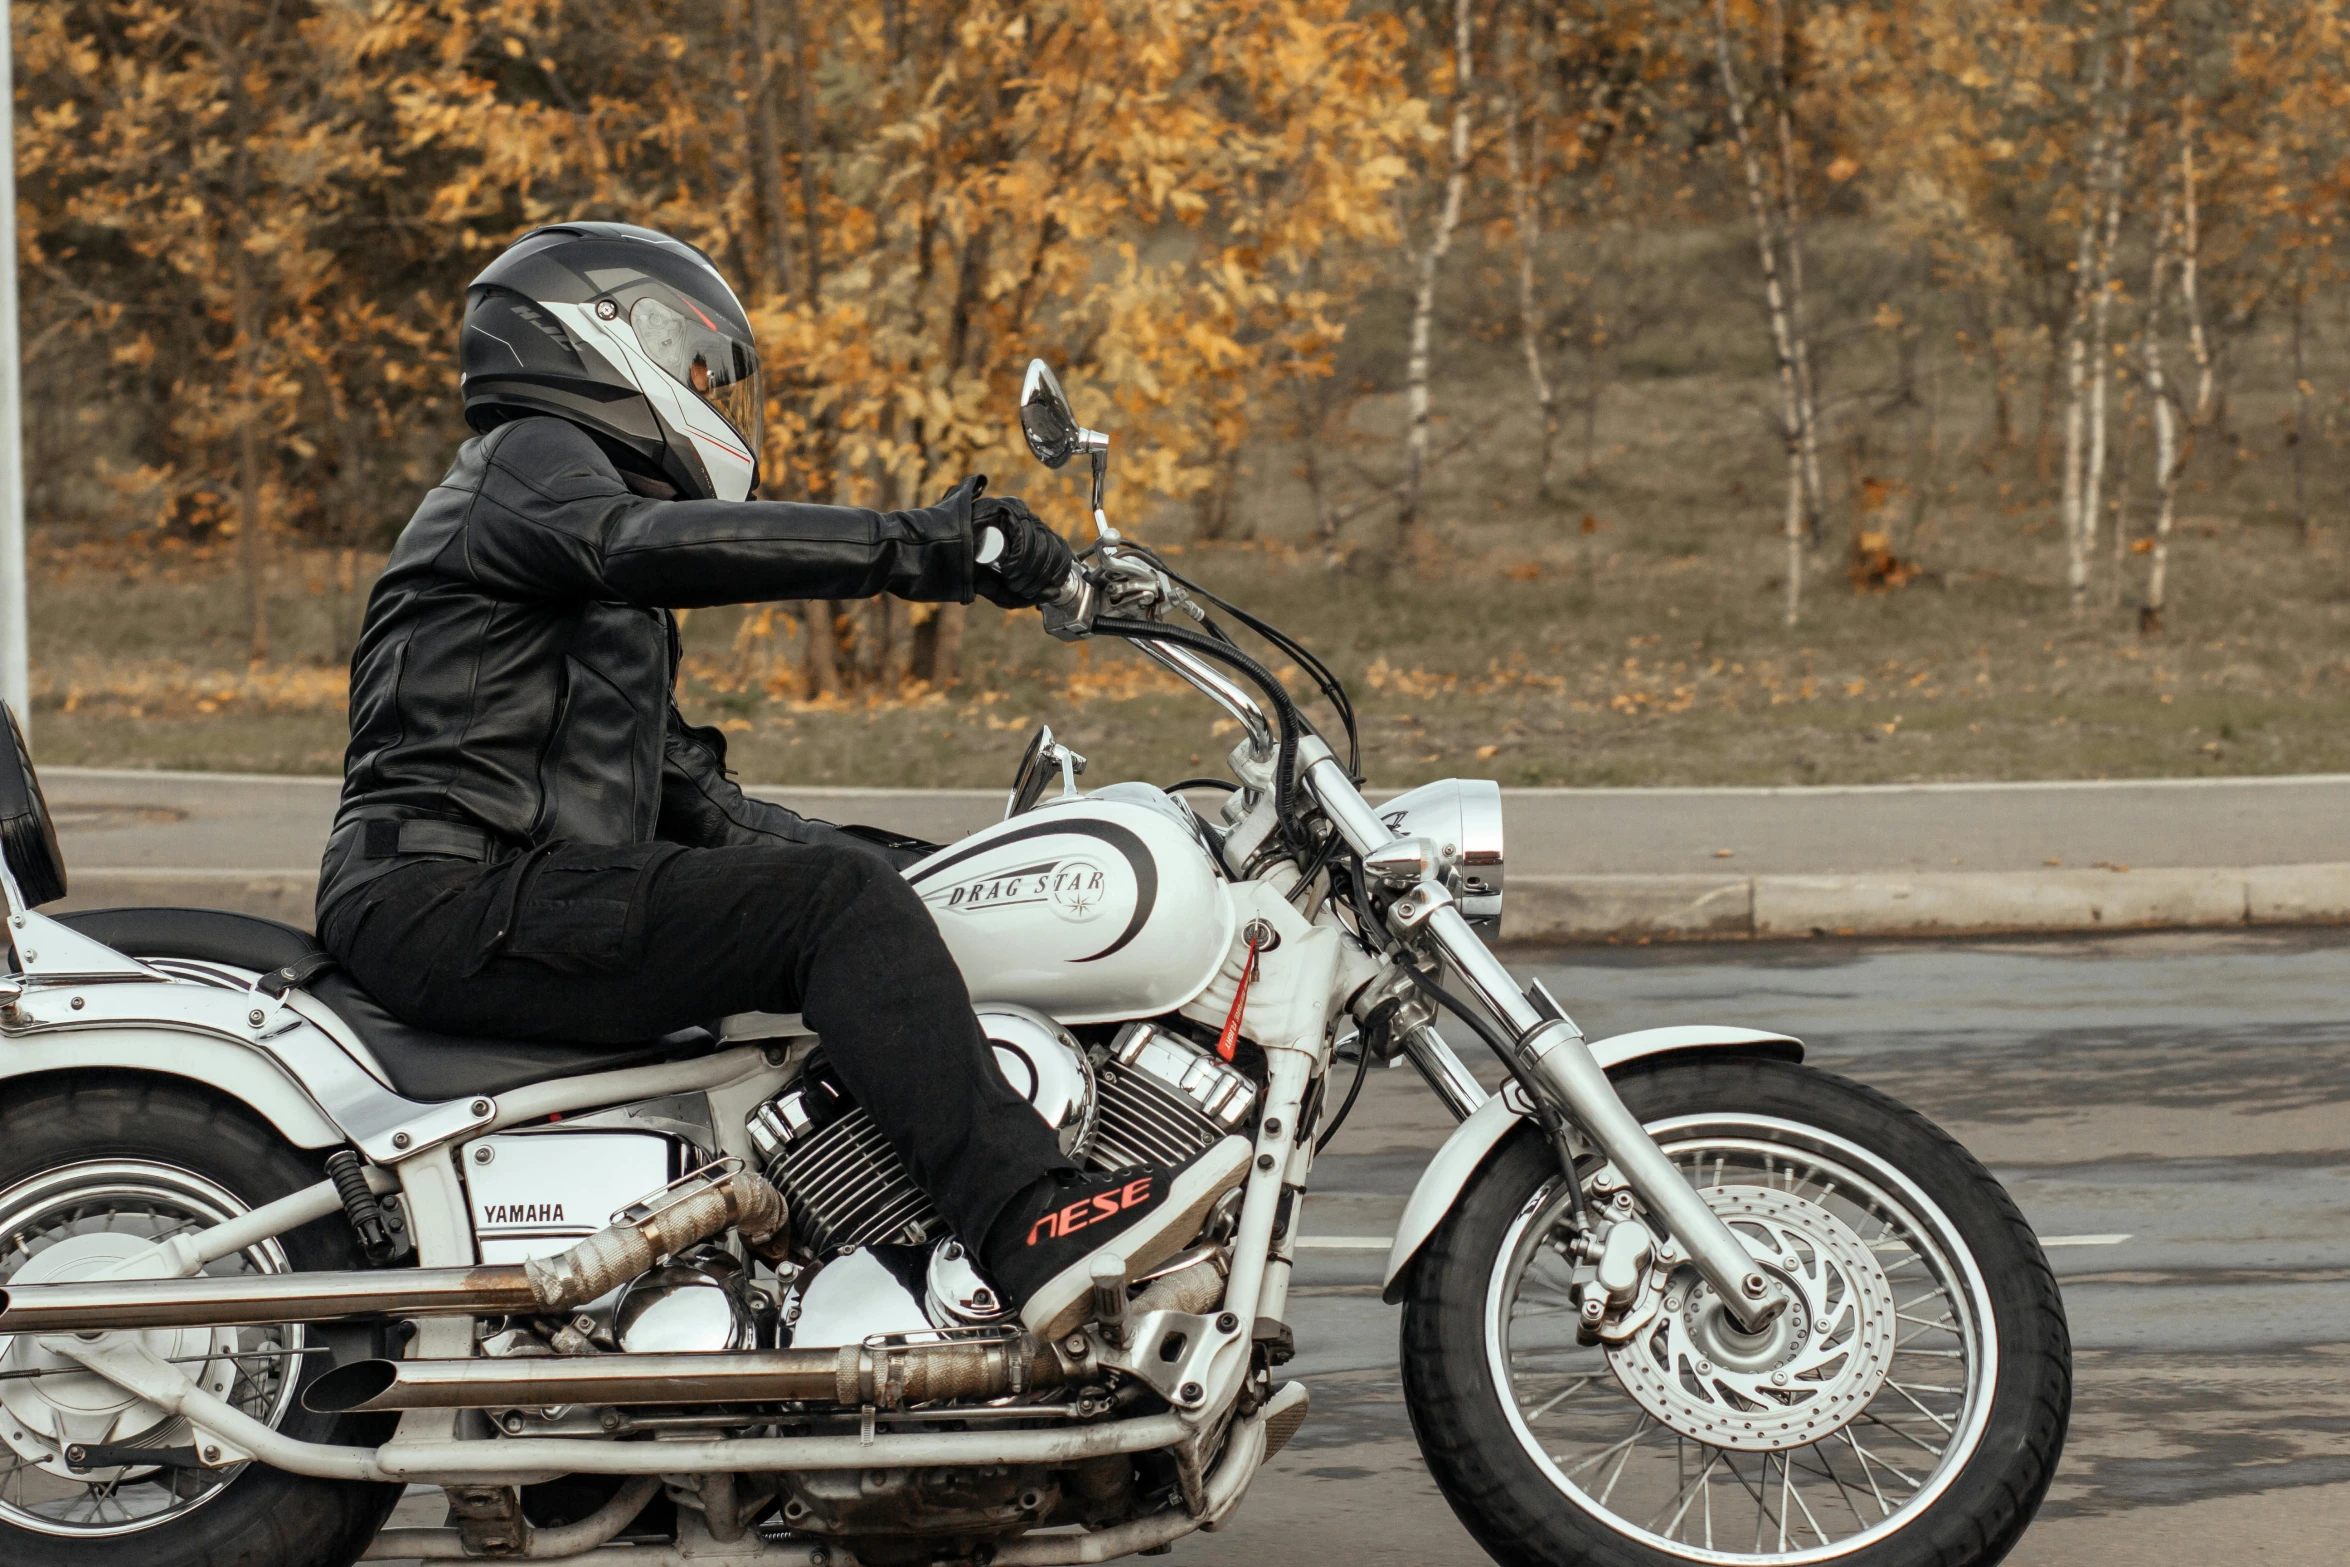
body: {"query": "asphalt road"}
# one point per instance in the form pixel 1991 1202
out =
pixel 2190 1092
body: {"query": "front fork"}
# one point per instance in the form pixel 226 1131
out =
pixel 1548 1057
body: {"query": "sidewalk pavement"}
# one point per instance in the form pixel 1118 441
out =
pixel 1584 864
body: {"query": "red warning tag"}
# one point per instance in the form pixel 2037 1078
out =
pixel 1248 973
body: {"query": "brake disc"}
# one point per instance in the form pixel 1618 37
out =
pixel 1801 1378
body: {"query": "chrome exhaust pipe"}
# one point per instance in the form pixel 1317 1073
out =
pixel 258 1299
pixel 884 1373
pixel 661 1227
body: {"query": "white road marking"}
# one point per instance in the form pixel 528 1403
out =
pixel 2083 1240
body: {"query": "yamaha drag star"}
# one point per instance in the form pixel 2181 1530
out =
pixel 269 1255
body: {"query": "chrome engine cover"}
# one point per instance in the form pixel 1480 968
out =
pixel 536 1193
pixel 697 1305
pixel 955 1294
pixel 1047 1067
pixel 872 1290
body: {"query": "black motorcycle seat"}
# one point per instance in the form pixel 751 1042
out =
pixel 422 1065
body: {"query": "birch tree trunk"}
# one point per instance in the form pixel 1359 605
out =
pixel 1428 263
pixel 2190 257
pixel 1775 306
pixel 2101 176
pixel 2166 434
pixel 2170 468
pixel 1791 235
pixel 1526 218
pixel 2100 316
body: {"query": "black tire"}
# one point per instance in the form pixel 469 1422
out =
pixel 1523 1518
pixel 264 1517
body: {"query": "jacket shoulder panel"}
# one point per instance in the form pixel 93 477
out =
pixel 553 459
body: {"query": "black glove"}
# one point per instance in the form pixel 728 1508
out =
pixel 1035 562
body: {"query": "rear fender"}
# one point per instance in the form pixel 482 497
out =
pixel 242 1072
pixel 1473 1141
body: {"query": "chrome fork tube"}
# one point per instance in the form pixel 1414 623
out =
pixel 1551 1059
pixel 1551 1054
pixel 1445 1073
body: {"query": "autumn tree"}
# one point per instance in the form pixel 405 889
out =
pixel 933 193
pixel 209 187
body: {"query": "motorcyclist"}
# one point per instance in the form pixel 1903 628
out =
pixel 534 843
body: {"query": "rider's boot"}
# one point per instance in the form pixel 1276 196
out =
pixel 1041 1252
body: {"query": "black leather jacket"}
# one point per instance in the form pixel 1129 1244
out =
pixel 512 681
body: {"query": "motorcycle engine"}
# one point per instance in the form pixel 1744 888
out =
pixel 1150 1097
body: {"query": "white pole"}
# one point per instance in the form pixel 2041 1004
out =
pixel 15 670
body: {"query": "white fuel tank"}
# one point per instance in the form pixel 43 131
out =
pixel 1092 908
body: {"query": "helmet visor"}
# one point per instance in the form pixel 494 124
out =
pixel 706 359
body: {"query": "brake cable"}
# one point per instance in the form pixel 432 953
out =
pixel 1284 707
pixel 1333 691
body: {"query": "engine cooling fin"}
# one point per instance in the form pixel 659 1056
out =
pixel 1144 1122
pixel 847 1187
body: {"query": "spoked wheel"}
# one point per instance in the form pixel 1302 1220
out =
pixel 74 1223
pixel 91 1174
pixel 1908 1408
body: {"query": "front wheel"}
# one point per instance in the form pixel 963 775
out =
pixel 1907 1411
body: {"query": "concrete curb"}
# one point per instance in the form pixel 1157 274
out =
pixel 1924 903
pixel 1554 909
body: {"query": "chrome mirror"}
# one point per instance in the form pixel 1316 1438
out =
pixel 1051 428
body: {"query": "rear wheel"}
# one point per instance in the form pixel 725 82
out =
pixel 1907 1411
pixel 97 1169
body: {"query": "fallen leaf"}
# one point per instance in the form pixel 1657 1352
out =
pixel 1486 753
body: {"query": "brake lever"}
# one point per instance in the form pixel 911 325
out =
pixel 1125 584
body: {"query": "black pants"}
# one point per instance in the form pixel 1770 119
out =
pixel 610 944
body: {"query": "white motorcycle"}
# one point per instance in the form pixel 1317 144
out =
pixel 268 1255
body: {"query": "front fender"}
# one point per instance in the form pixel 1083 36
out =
pixel 1475 1139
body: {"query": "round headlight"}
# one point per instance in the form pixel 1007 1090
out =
pixel 1462 817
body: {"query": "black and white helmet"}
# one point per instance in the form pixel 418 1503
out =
pixel 628 332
